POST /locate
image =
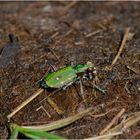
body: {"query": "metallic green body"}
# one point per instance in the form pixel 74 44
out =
pixel 65 76
pixel 61 77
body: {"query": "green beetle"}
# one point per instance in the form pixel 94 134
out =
pixel 66 76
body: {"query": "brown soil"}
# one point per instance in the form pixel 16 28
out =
pixel 62 28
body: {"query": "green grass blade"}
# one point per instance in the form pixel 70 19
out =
pixel 35 131
pixel 34 134
pixel 41 134
pixel 14 133
pixel 29 135
pixel 58 124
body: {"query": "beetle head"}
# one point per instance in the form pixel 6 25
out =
pixel 90 64
pixel 42 84
pixel 91 71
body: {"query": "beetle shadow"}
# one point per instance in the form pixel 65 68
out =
pixel 50 89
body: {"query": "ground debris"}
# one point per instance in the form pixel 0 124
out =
pixel 9 52
pixel 60 33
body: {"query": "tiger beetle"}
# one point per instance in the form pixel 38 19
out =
pixel 66 76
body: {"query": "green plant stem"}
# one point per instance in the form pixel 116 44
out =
pixel 58 124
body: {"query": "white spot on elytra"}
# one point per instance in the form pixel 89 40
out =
pixel 57 78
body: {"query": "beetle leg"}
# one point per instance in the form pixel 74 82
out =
pixel 64 87
pixel 95 81
pixel 77 91
pixel 52 66
pixel 100 89
pixel 82 93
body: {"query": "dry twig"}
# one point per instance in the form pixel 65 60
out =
pixel 118 130
pixel 134 70
pixel 54 106
pixel 121 47
pixel 70 5
pixel 18 108
pixel 113 121
pixel 125 124
pixel 41 107
pixel 54 35
pixel 48 41
pixel 104 136
pixel 48 96
pixel 102 114
pixel 51 50
pixel 93 33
